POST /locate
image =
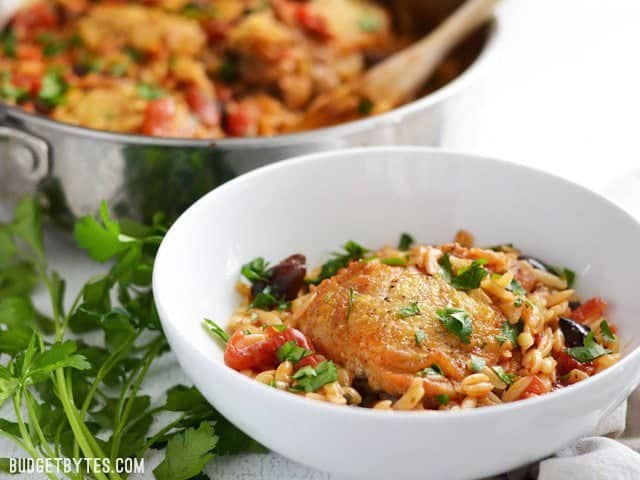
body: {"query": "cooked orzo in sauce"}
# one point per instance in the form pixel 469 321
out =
pixel 191 68
pixel 417 327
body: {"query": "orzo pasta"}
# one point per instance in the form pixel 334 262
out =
pixel 417 327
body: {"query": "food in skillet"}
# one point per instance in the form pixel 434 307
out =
pixel 417 327
pixel 193 69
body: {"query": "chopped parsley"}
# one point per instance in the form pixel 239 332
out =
pixel 433 370
pixel 266 300
pixel 53 89
pixel 606 332
pixel 458 322
pixel 405 243
pixel 149 92
pixel 217 330
pixel 443 399
pixel 507 378
pixel 365 107
pixel 394 261
pixel 477 364
pixel 369 24
pixel 9 91
pixel 8 42
pixel 409 311
pixel 256 270
pixel 292 351
pixel 568 275
pixel 510 333
pixel 309 379
pixel 419 336
pixel 516 288
pixel 468 279
pixel 589 351
pixel 51 44
pixel 352 251
pixel 135 54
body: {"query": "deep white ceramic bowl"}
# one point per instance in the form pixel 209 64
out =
pixel 314 204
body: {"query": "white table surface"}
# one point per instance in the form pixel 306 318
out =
pixel 560 93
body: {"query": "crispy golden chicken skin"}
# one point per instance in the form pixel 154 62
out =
pixel 354 319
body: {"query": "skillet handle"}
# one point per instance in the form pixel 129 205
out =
pixel 37 147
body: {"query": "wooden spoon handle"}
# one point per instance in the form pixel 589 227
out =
pixel 399 77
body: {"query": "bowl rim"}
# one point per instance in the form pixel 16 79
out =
pixel 259 389
pixel 393 116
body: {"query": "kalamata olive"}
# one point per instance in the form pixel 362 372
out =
pixel 287 277
pixel 534 262
pixel 81 69
pixel 574 305
pixel 574 333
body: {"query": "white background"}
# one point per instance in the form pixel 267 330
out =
pixel 561 93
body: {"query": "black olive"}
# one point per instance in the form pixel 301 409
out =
pixel 287 277
pixel 535 263
pixel 81 69
pixel 574 332
pixel 574 305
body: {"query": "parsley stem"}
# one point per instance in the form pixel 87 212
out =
pixel 160 434
pixel 33 423
pixel 67 317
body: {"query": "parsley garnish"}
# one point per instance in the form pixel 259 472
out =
pixel 9 91
pixel 217 330
pixel 469 278
pixel 442 399
pixel 365 106
pixel 9 42
pixel 394 261
pixel 135 54
pixel 606 332
pixel 589 351
pixel 457 321
pixel 568 275
pixel 477 364
pixel 409 311
pixel 369 24
pixel 516 288
pixel 266 300
pixel 52 45
pixel 309 379
pixel 509 333
pixel 256 270
pixel 352 251
pixel 53 89
pixel 420 336
pixel 292 351
pixel 433 370
pixel 405 243
pixel 507 378
pixel 149 92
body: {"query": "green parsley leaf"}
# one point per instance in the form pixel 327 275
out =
pixel 458 322
pixel 217 330
pixel 266 300
pixel 101 242
pixel 256 270
pixel 564 273
pixel 52 45
pixel 365 107
pixel 8 384
pixel 420 336
pixel 59 355
pixel 433 370
pixel 516 288
pixel 292 351
pixel 477 364
pixel 187 453
pixel 405 242
pixel 53 89
pixel 9 91
pixel 467 279
pixel 185 399
pixel 510 333
pixel 507 378
pixel 443 399
pixel 149 92
pixel 409 311
pixel 310 379
pixel 9 42
pixel 369 24
pixel 606 332
pixel 394 261
pixel 589 351
pixel 135 54
pixel 352 251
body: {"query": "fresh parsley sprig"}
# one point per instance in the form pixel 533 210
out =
pixel 458 322
pixel 467 279
pixel 352 251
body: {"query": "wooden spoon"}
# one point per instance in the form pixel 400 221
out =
pixel 398 78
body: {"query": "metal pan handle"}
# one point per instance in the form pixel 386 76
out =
pixel 37 147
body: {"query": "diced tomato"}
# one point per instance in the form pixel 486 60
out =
pixel 240 122
pixel 31 83
pixel 204 106
pixel 159 117
pixel 566 363
pixel 39 15
pixel 258 351
pixel 28 51
pixel 311 360
pixel 536 387
pixel 589 311
pixel 312 21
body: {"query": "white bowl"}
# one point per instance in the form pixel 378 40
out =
pixel 314 204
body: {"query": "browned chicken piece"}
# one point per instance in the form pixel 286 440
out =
pixel 354 320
